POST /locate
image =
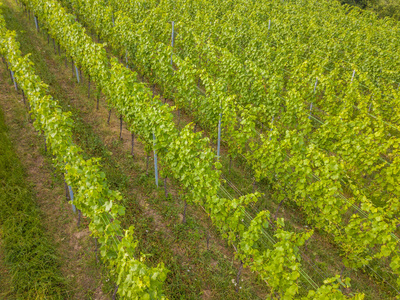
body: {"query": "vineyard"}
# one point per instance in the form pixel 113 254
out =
pixel 199 150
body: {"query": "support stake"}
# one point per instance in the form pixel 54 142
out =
pixel 155 161
pixel 71 197
pixel 120 128
pixel 109 116
pixel 219 136
pixel 132 144
pixel 23 97
pixel 238 277
pixel 66 188
pixel 172 41
pixel 115 292
pixel 77 74
pixel 36 23
pixel 79 218
pixel 13 79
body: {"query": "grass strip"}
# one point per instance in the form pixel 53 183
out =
pixel 29 254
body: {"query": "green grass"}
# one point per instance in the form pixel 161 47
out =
pixel 29 254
